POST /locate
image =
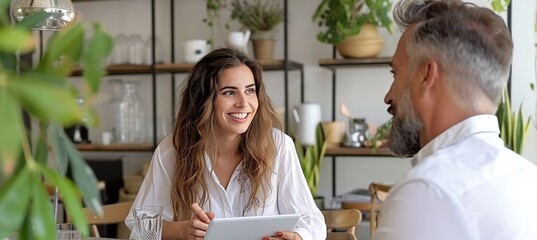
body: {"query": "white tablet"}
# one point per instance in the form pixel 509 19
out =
pixel 250 228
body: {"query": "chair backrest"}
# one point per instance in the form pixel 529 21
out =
pixel 112 214
pixel 379 192
pixel 346 219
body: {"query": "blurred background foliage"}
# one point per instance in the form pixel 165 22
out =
pixel 31 161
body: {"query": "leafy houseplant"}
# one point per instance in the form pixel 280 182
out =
pixel 513 124
pixel 28 165
pixel 311 158
pixel 341 19
pixel 381 136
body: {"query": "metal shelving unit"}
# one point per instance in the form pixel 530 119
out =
pixel 173 67
pixel 338 151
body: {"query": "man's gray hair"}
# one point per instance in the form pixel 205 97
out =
pixel 471 44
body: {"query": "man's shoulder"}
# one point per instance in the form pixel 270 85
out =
pixel 457 172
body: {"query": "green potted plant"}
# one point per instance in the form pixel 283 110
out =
pixel 352 25
pixel 261 17
pixel 513 124
pixel 311 158
pixel 381 136
pixel 32 160
pixel 213 9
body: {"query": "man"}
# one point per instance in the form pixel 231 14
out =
pixel 450 68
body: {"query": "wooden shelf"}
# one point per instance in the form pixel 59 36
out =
pixel 184 67
pixel 337 150
pixel 174 67
pixel 274 65
pixel 94 0
pixel 270 65
pixel 115 147
pixel 352 63
pixel 120 69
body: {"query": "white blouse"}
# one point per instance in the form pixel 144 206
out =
pixel 290 193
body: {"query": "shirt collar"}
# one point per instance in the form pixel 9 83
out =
pixel 456 133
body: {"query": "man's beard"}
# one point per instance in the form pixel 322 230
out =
pixel 404 135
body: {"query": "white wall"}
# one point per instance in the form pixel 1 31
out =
pixel 361 89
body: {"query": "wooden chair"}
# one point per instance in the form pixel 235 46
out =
pixel 379 192
pixel 112 214
pixel 346 219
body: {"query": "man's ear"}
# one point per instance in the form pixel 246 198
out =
pixel 430 74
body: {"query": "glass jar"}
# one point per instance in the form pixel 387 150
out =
pixel 148 55
pixel 120 53
pixel 356 132
pixel 136 49
pixel 130 120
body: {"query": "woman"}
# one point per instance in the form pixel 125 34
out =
pixel 227 155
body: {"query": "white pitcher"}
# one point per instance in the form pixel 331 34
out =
pixel 307 116
pixel 239 40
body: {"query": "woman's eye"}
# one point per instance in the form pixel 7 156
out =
pixel 250 91
pixel 228 93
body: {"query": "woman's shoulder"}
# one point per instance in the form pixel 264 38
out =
pixel 280 138
pixel 165 149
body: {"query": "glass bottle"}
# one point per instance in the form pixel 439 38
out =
pixel 130 117
pixel 114 91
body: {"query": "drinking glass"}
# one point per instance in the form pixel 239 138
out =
pixel 67 231
pixel 148 222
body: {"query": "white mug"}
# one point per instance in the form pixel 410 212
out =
pixel 195 49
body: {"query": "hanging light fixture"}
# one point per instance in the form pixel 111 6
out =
pixel 59 13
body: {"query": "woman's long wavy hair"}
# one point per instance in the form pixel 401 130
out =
pixel 194 135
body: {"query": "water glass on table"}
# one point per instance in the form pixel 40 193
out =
pixel 67 231
pixel 148 222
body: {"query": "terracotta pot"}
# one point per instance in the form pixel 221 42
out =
pixel 366 44
pixel 263 43
pixel 263 49
pixel 334 132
